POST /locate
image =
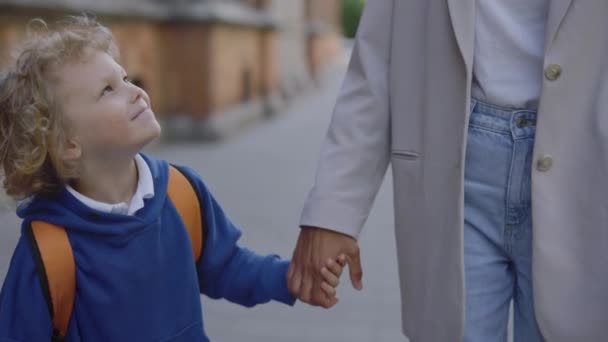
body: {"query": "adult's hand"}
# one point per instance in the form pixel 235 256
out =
pixel 315 246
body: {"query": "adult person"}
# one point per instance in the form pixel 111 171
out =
pixel 494 118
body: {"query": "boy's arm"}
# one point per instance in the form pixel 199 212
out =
pixel 229 271
pixel 24 314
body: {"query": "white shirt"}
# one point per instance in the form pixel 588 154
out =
pixel 509 51
pixel 145 190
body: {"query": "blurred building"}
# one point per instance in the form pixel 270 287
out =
pixel 210 66
pixel 309 39
pixel 323 32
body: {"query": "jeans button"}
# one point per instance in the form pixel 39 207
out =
pixel 521 122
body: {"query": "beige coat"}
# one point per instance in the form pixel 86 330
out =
pixel 405 100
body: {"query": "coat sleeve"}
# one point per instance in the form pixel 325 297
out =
pixel 24 314
pixel 227 270
pixel 356 150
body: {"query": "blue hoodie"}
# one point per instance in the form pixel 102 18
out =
pixel 136 276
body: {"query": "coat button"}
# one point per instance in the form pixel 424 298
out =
pixel 553 71
pixel 544 164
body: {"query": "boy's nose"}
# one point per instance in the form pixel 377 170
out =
pixel 137 93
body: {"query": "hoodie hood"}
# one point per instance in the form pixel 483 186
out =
pixel 63 209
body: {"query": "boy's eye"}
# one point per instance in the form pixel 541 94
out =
pixel 106 90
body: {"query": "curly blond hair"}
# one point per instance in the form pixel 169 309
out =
pixel 32 130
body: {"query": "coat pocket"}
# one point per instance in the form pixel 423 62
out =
pixel 405 154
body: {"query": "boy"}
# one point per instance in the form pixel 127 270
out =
pixel 72 127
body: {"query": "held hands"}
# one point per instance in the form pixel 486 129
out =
pixel 330 274
pixel 317 264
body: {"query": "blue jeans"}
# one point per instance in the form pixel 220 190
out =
pixel 498 224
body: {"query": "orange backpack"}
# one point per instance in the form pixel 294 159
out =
pixel 57 268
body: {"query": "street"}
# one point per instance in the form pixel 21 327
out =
pixel 261 177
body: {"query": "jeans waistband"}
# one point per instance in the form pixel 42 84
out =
pixel 496 110
pixel 520 123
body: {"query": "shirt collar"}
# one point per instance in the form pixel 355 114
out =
pixel 145 190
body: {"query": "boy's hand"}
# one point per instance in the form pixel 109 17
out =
pixel 315 245
pixel 331 272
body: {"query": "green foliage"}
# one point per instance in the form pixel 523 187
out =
pixel 351 13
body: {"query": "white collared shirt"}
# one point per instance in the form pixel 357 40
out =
pixel 145 190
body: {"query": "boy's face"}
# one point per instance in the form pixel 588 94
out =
pixel 105 112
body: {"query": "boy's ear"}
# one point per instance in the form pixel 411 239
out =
pixel 71 151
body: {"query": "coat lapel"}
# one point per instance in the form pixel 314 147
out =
pixel 557 12
pixel 462 14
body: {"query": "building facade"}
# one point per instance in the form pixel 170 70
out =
pixel 210 66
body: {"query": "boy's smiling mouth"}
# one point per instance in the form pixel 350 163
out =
pixel 140 112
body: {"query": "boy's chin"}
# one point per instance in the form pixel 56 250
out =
pixel 152 137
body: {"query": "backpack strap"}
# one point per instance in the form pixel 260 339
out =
pixel 55 259
pixel 57 271
pixel 185 199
